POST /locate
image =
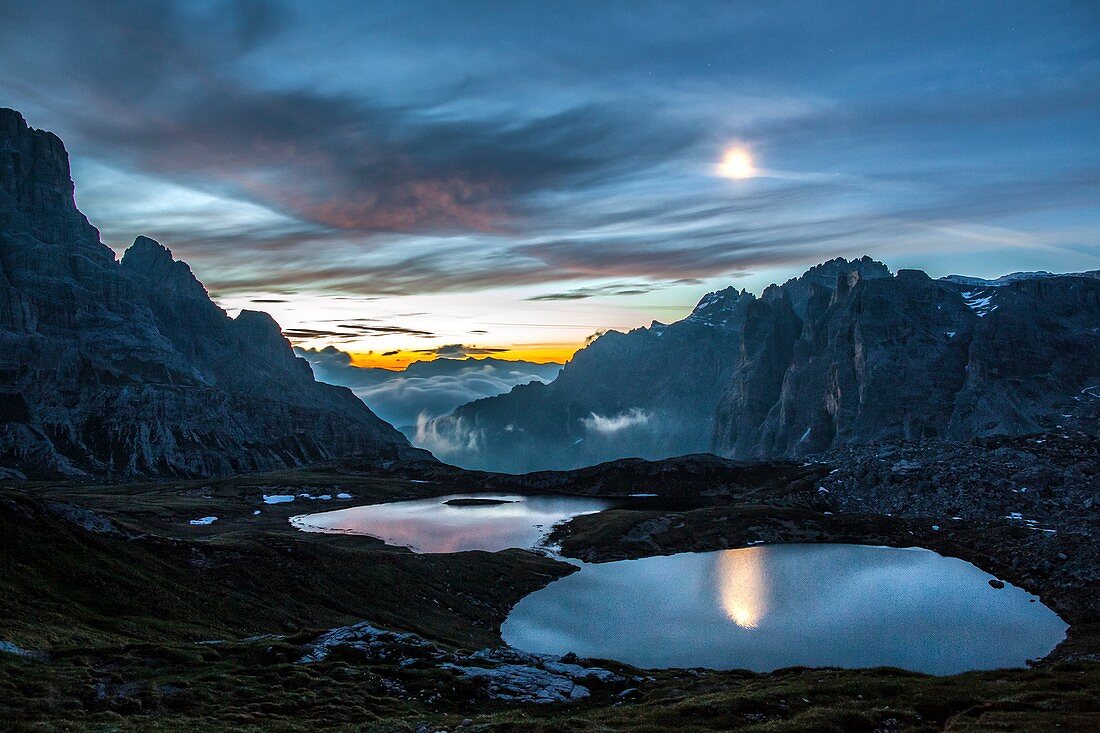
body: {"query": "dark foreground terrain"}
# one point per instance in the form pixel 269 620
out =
pixel 116 613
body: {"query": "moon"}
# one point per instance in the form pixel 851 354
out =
pixel 737 163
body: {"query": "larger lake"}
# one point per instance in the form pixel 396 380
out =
pixel 764 608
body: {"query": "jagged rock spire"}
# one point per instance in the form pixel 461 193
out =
pixel 36 189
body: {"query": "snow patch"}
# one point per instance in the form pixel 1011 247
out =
pixel 278 498
pixel 979 302
pixel 203 520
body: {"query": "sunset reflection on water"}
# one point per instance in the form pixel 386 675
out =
pixel 433 526
pixel 766 608
pixel 743 585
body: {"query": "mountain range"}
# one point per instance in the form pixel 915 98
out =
pixel 849 353
pixel 424 389
pixel 127 368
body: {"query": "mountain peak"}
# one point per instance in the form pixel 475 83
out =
pixel 146 254
pixel 827 275
pixel 1014 277
pixel 715 308
pixel 827 272
pixel 36 188
pixel 127 368
pixel 150 260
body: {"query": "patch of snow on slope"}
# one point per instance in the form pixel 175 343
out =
pixel 979 302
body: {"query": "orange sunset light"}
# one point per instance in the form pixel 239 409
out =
pixel 538 353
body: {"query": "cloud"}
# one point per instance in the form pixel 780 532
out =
pixel 328 358
pixel 616 289
pixel 609 425
pixel 178 105
pixel 426 388
pixel 448 437
pixel 458 351
pixel 358 149
pixel 351 331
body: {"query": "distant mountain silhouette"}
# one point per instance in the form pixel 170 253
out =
pixel 843 355
pixel 424 389
pixel 128 368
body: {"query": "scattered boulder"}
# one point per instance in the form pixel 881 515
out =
pixel 502 673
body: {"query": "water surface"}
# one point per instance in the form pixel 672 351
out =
pixel 763 608
pixel 434 525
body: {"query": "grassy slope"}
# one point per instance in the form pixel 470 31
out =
pixel 121 615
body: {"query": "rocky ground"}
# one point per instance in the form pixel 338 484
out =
pixel 118 613
pixel 1026 509
pixel 1049 483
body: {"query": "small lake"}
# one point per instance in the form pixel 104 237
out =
pixel 456 523
pixel 764 608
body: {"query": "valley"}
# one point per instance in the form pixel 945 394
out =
pixel 130 617
pixel 879 490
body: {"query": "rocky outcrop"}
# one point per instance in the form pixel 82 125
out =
pixel 127 368
pixel 844 355
pixel 501 673
pixel 1044 483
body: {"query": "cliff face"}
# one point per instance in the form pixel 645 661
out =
pixel 909 357
pixel 651 392
pixel 844 355
pixel 128 368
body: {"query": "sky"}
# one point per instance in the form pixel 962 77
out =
pixel 410 179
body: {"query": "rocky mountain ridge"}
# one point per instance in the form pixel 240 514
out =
pixel 846 354
pixel 1014 277
pixel 127 368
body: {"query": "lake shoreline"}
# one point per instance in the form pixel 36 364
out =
pixel 160 609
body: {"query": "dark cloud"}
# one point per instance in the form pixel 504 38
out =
pixel 352 331
pixel 721 240
pixel 256 21
pixel 459 351
pixel 337 161
pixel 616 289
pixel 328 357
pixel 397 148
